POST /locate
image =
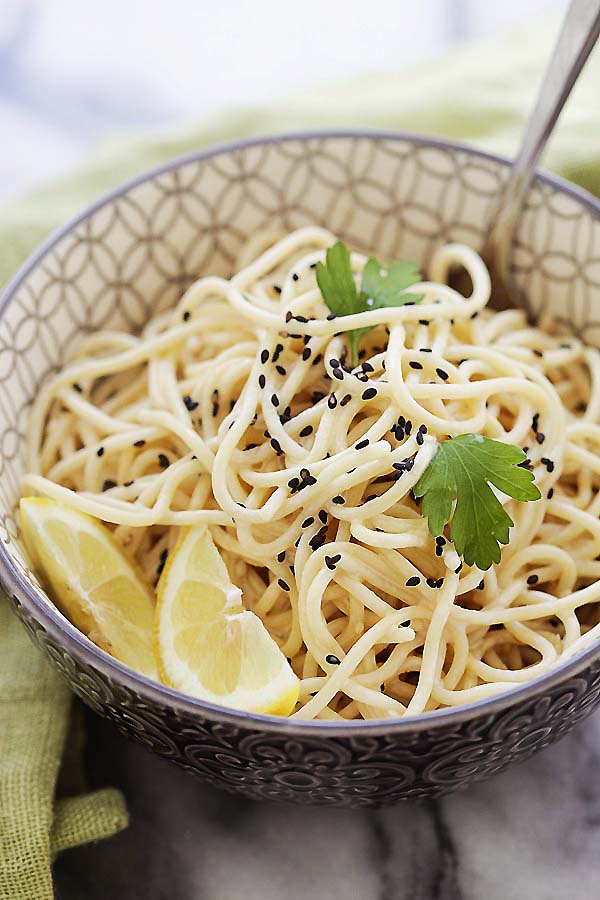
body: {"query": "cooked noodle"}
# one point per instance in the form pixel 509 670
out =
pixel 226 411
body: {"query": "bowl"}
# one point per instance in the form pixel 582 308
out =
pixel 134 252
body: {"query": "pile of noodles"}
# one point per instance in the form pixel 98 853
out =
pixel 239 410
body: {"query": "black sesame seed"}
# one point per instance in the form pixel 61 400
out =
pixel 442 374
pixel 163 460
pixel 440 540
pixel 261 381
pixel 127 483
pixel 338 373
pixel 215 409
pixel 549 463
pixel 345 399
pixel 162 561
pixel 108 484
pixel 281 370
pixel 281 556
pixel 425 350
pixel 100 451
pixel 550 494
pixel 540 437
pixel 305 338
pixel 323 516
pixel 408 428
pixel 475 314
pixel 275 400
pixel 332 660
pixel 276 288
pixel 338 499
pixel 77 387
pixel 439 550
pixel 332 561
pixel 420 438
pixel 276 446
pixel 186 316
pixel 331 316
pixel 423 321
pixel 332 401
pixel 190 404
pixel 369 393
pixel 306 353
pixel 139 443
pixel 415 365
pixel 283 584
pixel 423 429
pixel 538 353
pixel 367 367
pixel 481 585
pixel 295 276
pixel 276 352
pixel 306 431
pixel 317 359
pixel 308 521
pixel 431 582
pixel 533 579
pixel 362 444
pixel 413 581
pixel 293 483
pixel 535 421
pixel 264 356
pixel 302 319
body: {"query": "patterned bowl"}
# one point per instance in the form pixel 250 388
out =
pixel 134 252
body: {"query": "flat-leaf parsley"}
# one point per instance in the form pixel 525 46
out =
pixel 462 469
pixel 380 287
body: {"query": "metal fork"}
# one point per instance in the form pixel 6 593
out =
pixel 578 35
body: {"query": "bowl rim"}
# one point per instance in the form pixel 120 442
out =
pixel 74 642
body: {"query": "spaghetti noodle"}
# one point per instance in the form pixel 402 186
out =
pixel 237 410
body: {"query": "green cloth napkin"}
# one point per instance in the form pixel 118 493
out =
pixel 479 94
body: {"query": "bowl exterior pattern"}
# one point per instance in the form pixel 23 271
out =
pixel 132 255
pixel 310 768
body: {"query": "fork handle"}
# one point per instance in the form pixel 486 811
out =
pixel 578 35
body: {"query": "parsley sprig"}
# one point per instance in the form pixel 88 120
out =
pixel 380 287
pixel 462 469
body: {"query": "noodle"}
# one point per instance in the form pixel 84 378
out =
pixel 236 410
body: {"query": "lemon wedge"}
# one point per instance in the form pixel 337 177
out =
pixel 207 644
pixel 91 580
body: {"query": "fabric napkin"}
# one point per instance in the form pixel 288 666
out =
pixel 480 94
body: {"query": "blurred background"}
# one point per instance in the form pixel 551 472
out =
pixel 73 72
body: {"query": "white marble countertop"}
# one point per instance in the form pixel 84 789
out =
pixel 530 833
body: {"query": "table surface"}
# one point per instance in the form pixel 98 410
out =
pixel 530 833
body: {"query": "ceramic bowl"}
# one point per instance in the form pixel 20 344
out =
pixel 134 252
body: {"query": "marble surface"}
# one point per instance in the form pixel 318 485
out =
pixel 531 833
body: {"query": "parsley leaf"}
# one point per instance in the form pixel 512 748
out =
pixel 384 285
pixel 336 281
pixel 380 287
pixel 463 468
